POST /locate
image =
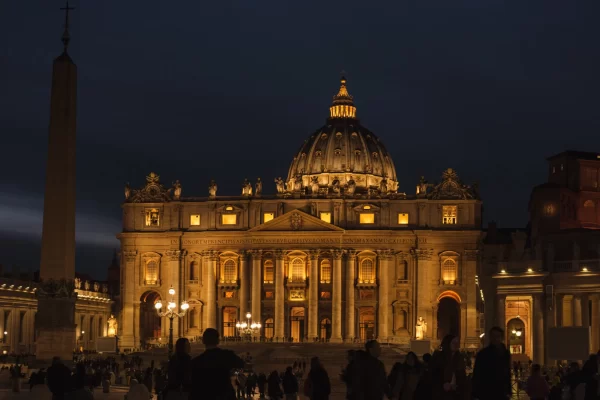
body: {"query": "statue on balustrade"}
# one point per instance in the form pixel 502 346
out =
pixel 420 329
pixel 112 326
pixel 258 187
pixel 212 189
pixel 280 185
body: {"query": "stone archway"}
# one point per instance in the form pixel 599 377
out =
pixel 517 336
pixel 150 322
pixel 448 315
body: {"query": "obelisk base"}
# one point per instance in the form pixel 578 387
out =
pixel 55 325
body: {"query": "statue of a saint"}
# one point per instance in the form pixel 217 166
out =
pixel 280 185
pixel 313 209
pixel 96 287
pixel 420 329
pixel 289 187
pixel 314 185
pixel 127 191
pixel 298 183
pixel 212 189
pixel 351 186
pixel 112 326
pixel 86 285
pixel 246 188
pixel 335 185
pixel 422 186
pixel 176 190
pixel 104 288
pixel 77 282
pixel 258 187
pixel 383 187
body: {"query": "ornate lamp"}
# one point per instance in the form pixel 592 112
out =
pixel 171 313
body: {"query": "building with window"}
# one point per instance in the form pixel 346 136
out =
pixel 338 253
pixel 548 275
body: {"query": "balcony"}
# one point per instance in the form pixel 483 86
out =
pixel 592 265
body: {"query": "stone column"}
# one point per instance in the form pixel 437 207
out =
pixel 174 279
pixel 501 312
pixel 336 309
pixel 256 287
pixel 211 290
pixel 313 297
pixel 244 307
pixel 577 320
pixel 136 328
pixel 384 258
pixel 350 280
pixel 538 330
pixel 126 339
pixel 595 322
pixel 279 296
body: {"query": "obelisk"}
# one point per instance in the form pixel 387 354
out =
pixel 55 319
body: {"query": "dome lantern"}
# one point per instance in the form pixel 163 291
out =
pixel 343 104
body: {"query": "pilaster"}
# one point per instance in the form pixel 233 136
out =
pixel 244 306
pixel 336 334
pixel 350 281
pixel 313 296
pixel 129 286
pixel 256 287
pixel 211 294
pixel 279 296
pixel 384 257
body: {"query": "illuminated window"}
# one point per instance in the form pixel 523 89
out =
pixel 229 271
pixel 151 272
pixel 326 216
pixel 152 217
pixel 449 215
pixel 367 218
pixel 402 218
pixel 269 328
pixel 449 271
pixel 229 208
pixel 588 204
pixel 269 295
pixel 229 295
pixel 549 210
pixel 366 207
pixel 229 219
pixel 194 270
pixel 297 270
pixel 366 273
pixel 326 295
pixel 268 216
pixel 195 220
pixel 268 276
pixel 325 271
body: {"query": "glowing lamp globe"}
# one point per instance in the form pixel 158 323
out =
pixel 248 315
pixel 172 291
pixel 238 325
pixel 158 305
pixel 171 305
pixel 185 306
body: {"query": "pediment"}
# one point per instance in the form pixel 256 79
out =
pixel 296 221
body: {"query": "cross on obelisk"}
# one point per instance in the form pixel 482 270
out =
pixel 55 318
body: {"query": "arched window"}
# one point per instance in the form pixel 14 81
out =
pixel 366 273
pixel 325 271
pixel 194 271
pixel 229 271
pixel 297 274
pixel 151 272
pixel 268 275
pixel 449 271
pixel 269 328
pixel 325 329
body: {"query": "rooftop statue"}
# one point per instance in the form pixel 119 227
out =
pixel 212 188
pixel 280 185
pixel 176 190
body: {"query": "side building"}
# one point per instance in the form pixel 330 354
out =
pixel 548 275
pixel 337 254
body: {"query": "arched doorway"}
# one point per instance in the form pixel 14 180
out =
pixel 516 336
pixel 150 322
pixel 448 316
pixel 229 320
pixel 366 323
pixel 297 323
pixel 325 329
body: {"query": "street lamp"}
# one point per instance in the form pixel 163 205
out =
pixel 171 313
pixel 248 327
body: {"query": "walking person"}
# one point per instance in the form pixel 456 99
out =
pixel 317 385
pixel 491 375
pixel 261 382
pixel 290 384
pixel 179 377
pixel 537 387
pixel 369 380
pixel 448 371
pixel 274 387
pixel 404 378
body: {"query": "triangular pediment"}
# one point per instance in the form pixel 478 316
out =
pixel 296 221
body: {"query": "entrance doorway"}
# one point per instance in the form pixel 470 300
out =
pixel 297 324
pixel 325 329
pixel 516 336
pixel 448 318
pixel 150 322
pixel 366 323
pixel 229 320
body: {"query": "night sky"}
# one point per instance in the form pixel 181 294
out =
pixel 231 89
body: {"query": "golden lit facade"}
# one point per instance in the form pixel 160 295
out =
pixel 336 254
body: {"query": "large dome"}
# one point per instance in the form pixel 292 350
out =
pixel 343 157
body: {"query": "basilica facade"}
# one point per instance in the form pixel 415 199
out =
pixel 337 254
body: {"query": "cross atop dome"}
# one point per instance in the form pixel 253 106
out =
pixel 343 102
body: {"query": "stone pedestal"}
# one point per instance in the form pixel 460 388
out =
pixel 56 327
pixel 420 347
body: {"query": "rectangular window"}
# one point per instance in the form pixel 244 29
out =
pixel 268 217
pixel 229 295
pixel 402 218
pixel 367 218
pixel 268 278
pixel 449 215
pixel 152 217
pixel 195 220
pixel 229 219
pixel 326 216
pixel 326 295
pixel 269 295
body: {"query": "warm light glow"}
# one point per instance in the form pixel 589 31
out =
pixel 229 219
pixel 195 220
pixel 519 333
pixel 244 325
pixel 529 270
pixel 366 271
pixel 6 333
pixel 481 336
pixel 367 218
pixel 402 218
pixel 268 275
pixel 584 269
pixel 514 331
pixel 238 325
pixel 503 271
pixel 172 291
pixel 158 305
pixel 248 315
pixel 326 216
pixel 325 271
pixel 83 332
pixel 449 271
pixel 549 210
pixel 366 207
pixel 268 217
pixel 449 215
pixel 184 306
pixel 152 217
pixel 342 111
pixel 171 305
pixel 229 208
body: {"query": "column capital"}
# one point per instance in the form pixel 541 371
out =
pixel 337 254
pixel 175 255
pixel 243 254
pixel 256 254
pixel 279 254
pixel 422 254
pixel 212 255
pixel 385 254
pixel 129 255
pixel 314 254
pixel 351 254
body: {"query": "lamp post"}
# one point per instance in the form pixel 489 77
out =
pixel 247 328
pixel 171 313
